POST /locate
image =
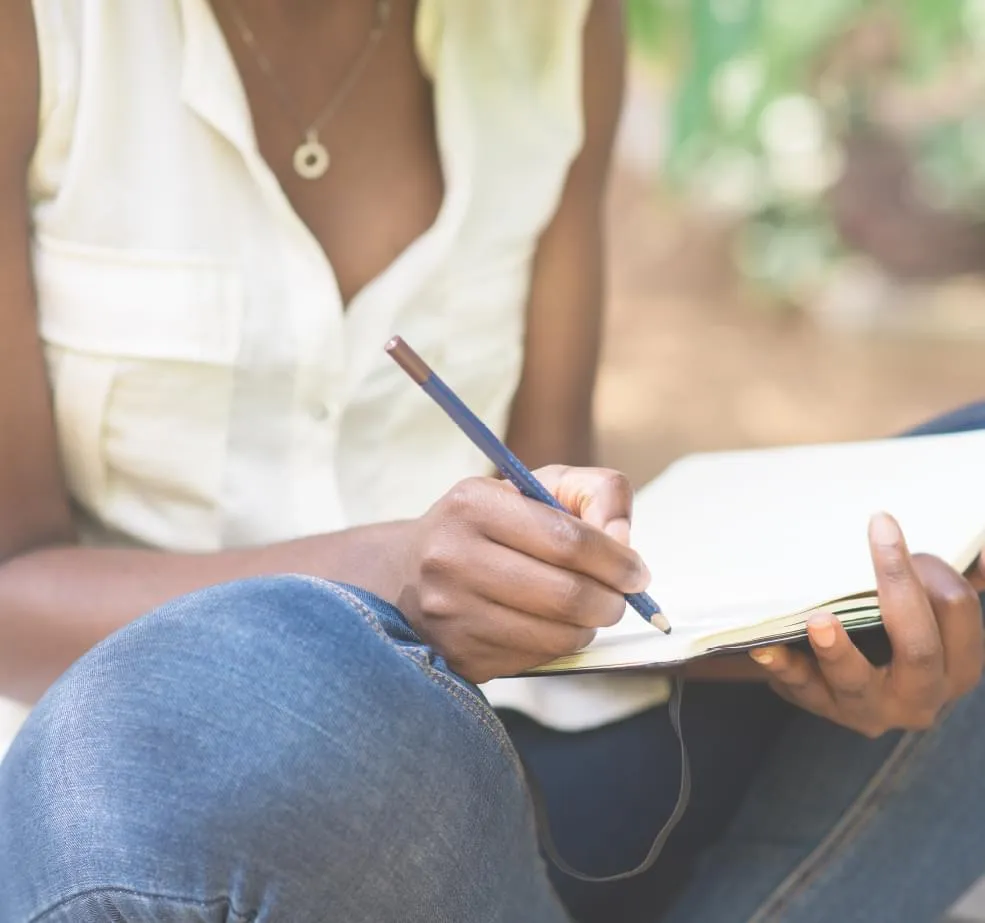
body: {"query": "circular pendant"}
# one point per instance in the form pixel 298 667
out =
pixel 311 159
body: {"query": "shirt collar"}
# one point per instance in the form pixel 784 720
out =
pixel 210 83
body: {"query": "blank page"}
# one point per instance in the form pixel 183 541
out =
pixel 739 537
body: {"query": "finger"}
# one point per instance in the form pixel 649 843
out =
pixel 976 574
pixel 599 496
pixel 519 582
pixel 548 535
pixel 513 663
pixel 532 640
pixel 917 668
pixel 794 677
pixel 618 529
pixel 853 682
pixel 958 610
pixel 498 641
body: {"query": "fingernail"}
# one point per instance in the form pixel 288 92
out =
pixel 618 529
pixel 822 630
pixel 763 656
pixel 883 530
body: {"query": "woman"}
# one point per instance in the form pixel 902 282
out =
pixel 215 216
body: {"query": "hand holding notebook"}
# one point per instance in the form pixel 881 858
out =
pixel 745 547
pixel 933 629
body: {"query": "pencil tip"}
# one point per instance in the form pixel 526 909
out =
pixel 659 620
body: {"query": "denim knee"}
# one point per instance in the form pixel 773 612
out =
pixel 277 744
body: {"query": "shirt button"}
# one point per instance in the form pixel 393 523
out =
pixel 321 412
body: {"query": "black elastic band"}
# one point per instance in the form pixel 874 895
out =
pixel 683 796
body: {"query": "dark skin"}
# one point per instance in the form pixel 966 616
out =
pixel 495 582
pixel 383 190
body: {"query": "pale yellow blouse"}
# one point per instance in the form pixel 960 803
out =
pixel 209 390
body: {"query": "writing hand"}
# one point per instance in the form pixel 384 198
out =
pixel 498 583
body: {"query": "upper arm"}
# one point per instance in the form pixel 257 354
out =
pixel 33 507
pixel 551 420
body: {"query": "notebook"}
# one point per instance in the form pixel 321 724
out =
pixel 745 546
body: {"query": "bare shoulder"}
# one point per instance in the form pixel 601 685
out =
pixel 20 80
pixel 33 507
pixel 604 75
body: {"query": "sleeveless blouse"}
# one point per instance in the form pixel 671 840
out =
pixel 209 391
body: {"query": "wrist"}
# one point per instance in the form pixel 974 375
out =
pixel 387 559
pixel 376 557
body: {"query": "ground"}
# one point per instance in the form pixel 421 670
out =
pixel 691 361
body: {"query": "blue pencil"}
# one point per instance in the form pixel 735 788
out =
pixel 508 464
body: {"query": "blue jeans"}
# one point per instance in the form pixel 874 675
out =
pixel 278 750
pixel 284 749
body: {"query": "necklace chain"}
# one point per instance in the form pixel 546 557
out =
pixel 311 152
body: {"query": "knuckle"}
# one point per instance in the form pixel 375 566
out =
pixel 894 566
pixel 922 719
pixel 617 483
pixel 570 538
pixel 854 690
pixel 463 496
pixel 572 597
pixel 920 653
pixel 960 596
pixel 438 560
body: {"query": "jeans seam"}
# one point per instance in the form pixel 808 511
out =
pixel 67 902
pixel 847 829
pixel 467 699
pixel 471 702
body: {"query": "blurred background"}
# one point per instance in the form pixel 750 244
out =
pixel 796 229
pixel 797 224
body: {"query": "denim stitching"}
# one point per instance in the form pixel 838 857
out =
pixel 67 902
pixel 847 829
pixel 472 703
pixel 475 705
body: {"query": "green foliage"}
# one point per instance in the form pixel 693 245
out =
pixel 751 121
pixel 734 57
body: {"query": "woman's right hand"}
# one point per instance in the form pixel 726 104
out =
pixel 498 583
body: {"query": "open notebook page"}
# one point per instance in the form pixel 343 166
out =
pixel 737 538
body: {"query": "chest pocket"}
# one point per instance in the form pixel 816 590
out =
pixel 141 352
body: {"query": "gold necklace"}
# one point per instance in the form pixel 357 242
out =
pixel 311 157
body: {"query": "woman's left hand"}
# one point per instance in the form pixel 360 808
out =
pixel 934 621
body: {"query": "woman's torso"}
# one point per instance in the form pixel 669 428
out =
pixel 211 389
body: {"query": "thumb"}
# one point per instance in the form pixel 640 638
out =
pixel 619 530
pixel 599 496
